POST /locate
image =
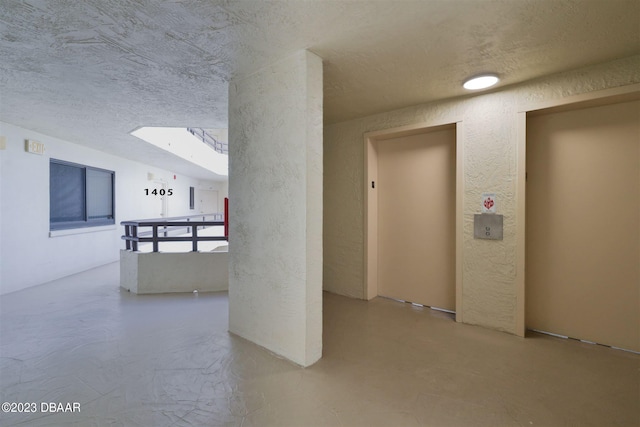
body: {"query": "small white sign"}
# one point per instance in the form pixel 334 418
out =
pixel 34 147
pixel 489 203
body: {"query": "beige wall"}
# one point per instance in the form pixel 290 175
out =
pixel 490 132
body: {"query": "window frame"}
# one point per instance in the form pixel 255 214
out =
pixel 86 222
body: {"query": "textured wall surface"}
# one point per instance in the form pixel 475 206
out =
pixel 275 188
pixel 159 273
pixel 490 165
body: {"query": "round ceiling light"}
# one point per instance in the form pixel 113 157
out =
pixel 481 82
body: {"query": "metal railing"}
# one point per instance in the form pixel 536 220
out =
pixel 219 146
pixel 160 229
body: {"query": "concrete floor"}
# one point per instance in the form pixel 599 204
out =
pixel 168 360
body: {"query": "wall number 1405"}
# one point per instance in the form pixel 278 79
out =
pixel 156 192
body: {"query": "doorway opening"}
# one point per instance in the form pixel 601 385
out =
pixel 208 201
pixel 163 202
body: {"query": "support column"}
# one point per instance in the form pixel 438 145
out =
pixel 275 192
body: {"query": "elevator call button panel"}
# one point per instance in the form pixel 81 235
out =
pixel 487 226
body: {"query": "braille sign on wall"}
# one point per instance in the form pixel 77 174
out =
pixel 487 226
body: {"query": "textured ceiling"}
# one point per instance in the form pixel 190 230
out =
pixel 91 71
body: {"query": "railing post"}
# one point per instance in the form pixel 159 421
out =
pixel 155 238
pixel 226 217
pixel 134 244
pixel 127 233
pixel 194 238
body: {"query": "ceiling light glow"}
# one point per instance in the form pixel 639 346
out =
pixel 481 82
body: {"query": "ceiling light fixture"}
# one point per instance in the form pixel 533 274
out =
pixel 481 82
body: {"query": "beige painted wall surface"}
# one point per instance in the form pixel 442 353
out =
pixel 583 225
pixel 416 218
pixel 489 273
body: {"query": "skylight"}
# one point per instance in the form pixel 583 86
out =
pixel 182 143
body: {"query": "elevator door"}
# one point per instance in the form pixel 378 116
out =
pixel 583 224
pixel 416 218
